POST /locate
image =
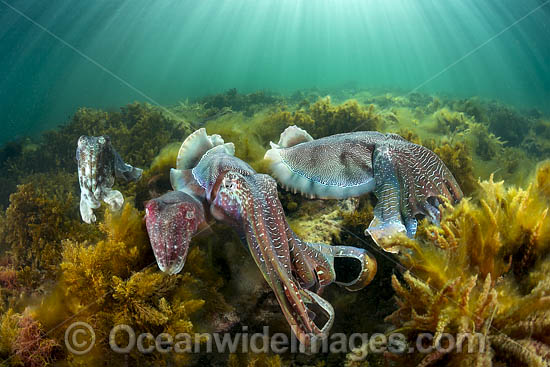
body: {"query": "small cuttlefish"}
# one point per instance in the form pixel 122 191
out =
pixel 98 165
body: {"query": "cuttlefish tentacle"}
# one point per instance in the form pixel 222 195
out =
pixel 249 199
pixel 98 165
pixel 358 267
pixel 312 264
pixel 387 219
pixel 318 265
pixel 407 179
pixel 282 236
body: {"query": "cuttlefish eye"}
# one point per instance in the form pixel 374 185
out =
pixel 82 140
pixel 230 185
pixel 101 140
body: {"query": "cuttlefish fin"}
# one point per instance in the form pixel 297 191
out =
pixel 195 145
pixel 293 135
pixel 124 170
pixel 183 180
pixel 180 178
pixel 113 198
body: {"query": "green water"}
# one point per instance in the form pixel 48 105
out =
pixel 58 55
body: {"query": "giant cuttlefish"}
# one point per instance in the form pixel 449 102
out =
pixel 98 165
pixel 407 179
pixel 210 181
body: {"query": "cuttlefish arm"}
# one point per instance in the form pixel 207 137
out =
pixel 98 165
pixel 251 203
pixel 406 178
pixel 410 181
pixel 171 221
pixel 319 265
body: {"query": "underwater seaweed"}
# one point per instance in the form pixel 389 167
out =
pixel 244 132
pixel 349 116
pixel 249 104
pixel 48 215
pixel 9 321
pixel 156 179
pixel 111 282
pixel 480 272
pixel 450 122
pixel 254 360
pixel 485 144
pixel 458 159
pixel 507 123
pixel 278 121
pixel 8 278
pixel 23 341
pixel 457 126
pixel 473 107
pixel 32 348
pixel 537 141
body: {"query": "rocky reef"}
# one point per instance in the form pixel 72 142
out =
pixel 484 270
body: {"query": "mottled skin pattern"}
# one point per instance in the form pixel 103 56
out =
pixel 232 192
pixel 243 199
pixel 98 165
pixel 407 179
pixel 171 220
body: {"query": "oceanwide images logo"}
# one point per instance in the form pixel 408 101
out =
pixel 80 339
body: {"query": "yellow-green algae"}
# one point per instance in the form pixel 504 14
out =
pixel 481 271
pixel 254 360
